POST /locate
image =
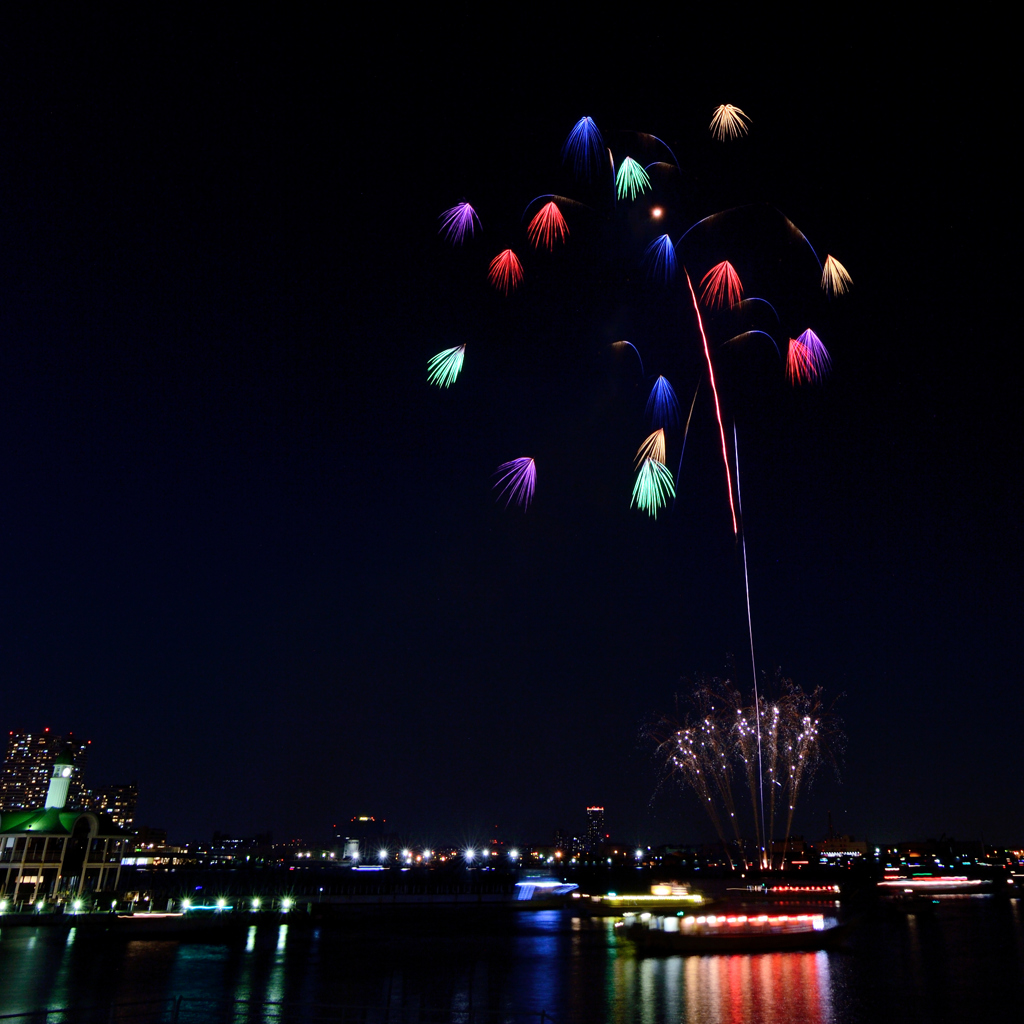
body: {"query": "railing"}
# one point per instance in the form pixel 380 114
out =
pixel 186 1010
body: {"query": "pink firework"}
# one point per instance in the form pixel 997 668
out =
pixel 517 478
pixel 721 285
pixel 506 271
pixel 546 226
pixel 807 360
pixel 457 222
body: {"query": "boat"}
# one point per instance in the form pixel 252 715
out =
pixel 727 932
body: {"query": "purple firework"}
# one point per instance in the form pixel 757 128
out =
pixel 456 222
pixel 518 478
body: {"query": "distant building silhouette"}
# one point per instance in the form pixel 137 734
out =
pixel 595 829
pixel 117 802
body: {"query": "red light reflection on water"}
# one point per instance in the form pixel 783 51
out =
pixel 786 988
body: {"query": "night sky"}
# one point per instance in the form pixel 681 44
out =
pixel 250 553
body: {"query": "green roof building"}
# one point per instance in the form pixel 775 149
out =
pixel 51 852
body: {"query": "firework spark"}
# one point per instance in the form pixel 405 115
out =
pixel 721 285
pixel 518 478
pixel 457 222
pixel 660 259
pixel 546 226
pixel 653 447
pixel 584 146
pixel 807 360
pixel 653 486
pixel 662 406
pixel 506 271
pixel 728 122
pixel 631 178
pixel 834 277
pixel 443 368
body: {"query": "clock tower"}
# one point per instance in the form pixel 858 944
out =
pixel 60 780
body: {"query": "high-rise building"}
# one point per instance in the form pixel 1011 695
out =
pixel 117 802
pixel 595 829
pixel 28 765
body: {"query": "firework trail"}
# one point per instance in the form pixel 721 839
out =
pixel 506 272
pixel 457 222
pixel 686 434
pixel 714 391
pixel 518 478
pixel 750 634
pixel 616 344
pixel 747 334
pixel 443 368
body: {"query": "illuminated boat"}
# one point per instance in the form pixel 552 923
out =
pixel 731 932
pixel 665 897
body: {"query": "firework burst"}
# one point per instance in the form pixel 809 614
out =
pixel 517 479
pixel 584 147
pixel 808 360
pixel 546 226
pixel 631 178
pixel 660 259
pixel 662 405
pixel 834 278
pixel 506 272
pixel 728 122
pixel 721 285
pixel 457 222
pixel 654 485
pixel 443 368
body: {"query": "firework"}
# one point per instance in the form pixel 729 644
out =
pixel 506 272
pixel 619 344
pixel 584 147
pixel 518 479
pixel 546 225
pixel 834 278
pixel 653 486
pixel 807 360
pixel 721 285
pixel 660 258
pixel 631 178
pixel 653 448
pixel 718 408
pixel 796 732
pixel 457 222
pixel 728 122
pixel 662 406
pixel 443 368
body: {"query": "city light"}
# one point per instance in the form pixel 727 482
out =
pixel 256 904
pixel 286 905
pixel 221 903
pixel 3 906
pixel 470 854
pixel 186 905
pixel 513 855
pixel 77 905
pixel 382 855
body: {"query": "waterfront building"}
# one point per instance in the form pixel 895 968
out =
pixel 53 850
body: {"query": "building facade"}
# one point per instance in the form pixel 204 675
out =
pixel 52 851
